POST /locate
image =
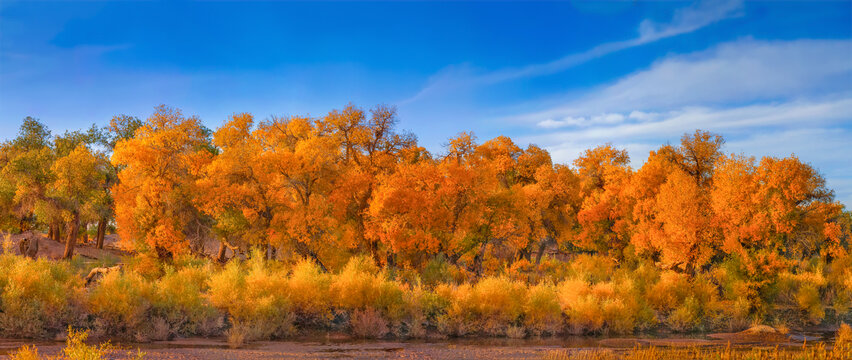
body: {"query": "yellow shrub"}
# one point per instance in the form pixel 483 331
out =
pixel 181 302
pixel 309 290
pixel 255 297
pixel 489 306
pixel 37 296
pixel 670 291
pixel 499 303
pixel 460 317
pixel 686 317
pixel 609 307
pixel 592 268
pixel 570 291
pixel 585 315
pixel 810 303
pixel 542 313
pixel 359 287
pixel 146 265
pixel 122 300
pixel 25 353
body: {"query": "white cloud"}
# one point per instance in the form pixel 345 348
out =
pixel 602 119
pixel 690 19
pixel 684 20
pixel 734 121
pixel 739 72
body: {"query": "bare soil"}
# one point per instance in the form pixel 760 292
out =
pixel 332 346
pixel 53 250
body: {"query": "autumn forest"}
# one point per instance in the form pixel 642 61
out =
pixel 264 228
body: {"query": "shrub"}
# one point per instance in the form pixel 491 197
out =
pixel 686 317
pixel 25 353
pixel 542 313
pixel 37 297
pixel 437 271
pixel 75 349
pixel 368 324
pixel 309 292
pixel 180 301
pixel 516 332
pixel 810 303
pixel 592 268
pixel 500 303
pixel 360 287
pixel 255 298
pixel 609 307
pixel 490 306
pixel 685 303
pixel 122 301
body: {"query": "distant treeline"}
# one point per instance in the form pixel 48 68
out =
pixel 350 183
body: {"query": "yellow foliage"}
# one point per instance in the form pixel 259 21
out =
pixel 36 296
pixel 309 290
pixel 180 299
pixel 122 299
pixel 359 287
pixel 542 312
pixel 253 295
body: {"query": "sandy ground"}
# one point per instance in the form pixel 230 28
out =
pixel 330 348
pixel 317 350
pixel 50 249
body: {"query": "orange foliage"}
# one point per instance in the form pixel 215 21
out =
pixel 154 199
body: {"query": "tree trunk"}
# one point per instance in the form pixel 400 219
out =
pixel 57 232
pixel 85 229
pixel 101 233
pixel 304 250
pixel 541 247
pixel 221 257
pixel 71 239
pixel 50 232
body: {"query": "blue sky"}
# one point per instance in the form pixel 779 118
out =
pixel 774 77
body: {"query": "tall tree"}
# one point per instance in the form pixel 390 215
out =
pixel 237 189
pixel 604 215
pixel 79 178
pixel 154 197
pixel 25 174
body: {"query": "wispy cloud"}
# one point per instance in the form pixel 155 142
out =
pixel 741 72
pixel 735 120
pixel 683 21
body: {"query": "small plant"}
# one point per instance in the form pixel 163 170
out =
pixel 368 324
pixel 26 352
pixel 76 349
